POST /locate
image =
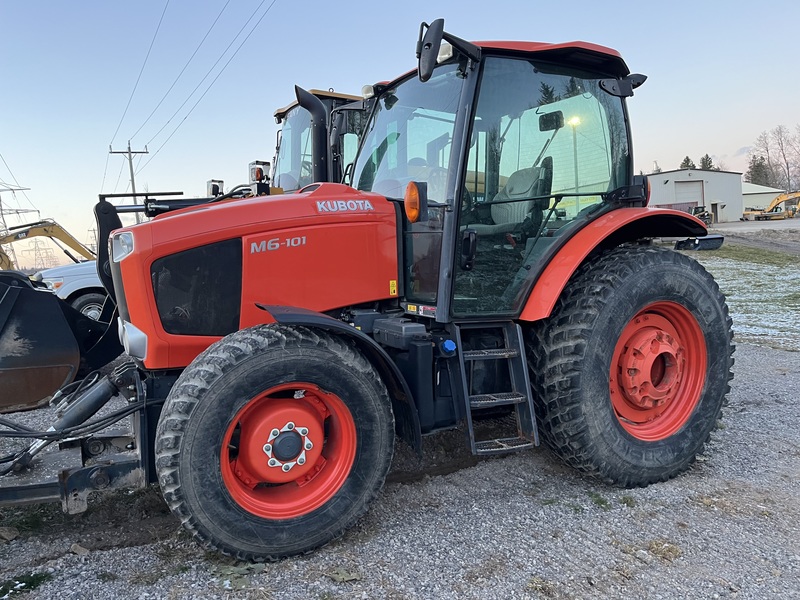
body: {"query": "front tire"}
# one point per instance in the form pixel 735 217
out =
pixel 274 441
pixel 632 368
pixel 90 305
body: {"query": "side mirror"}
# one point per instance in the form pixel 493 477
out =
pixel 551 121
pixel 428 48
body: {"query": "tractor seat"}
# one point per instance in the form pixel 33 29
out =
pixel 525 183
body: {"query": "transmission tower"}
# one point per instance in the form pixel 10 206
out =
pixel 9 248
pixel 43 255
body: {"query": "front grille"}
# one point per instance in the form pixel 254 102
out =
pixel 199 291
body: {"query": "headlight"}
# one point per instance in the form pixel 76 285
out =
pixel 133 340
pixel 53 283
pixel 121 245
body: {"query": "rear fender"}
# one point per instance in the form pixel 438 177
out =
pixel 608 231
pixel 406 416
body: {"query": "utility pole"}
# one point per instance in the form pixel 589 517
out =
pixel 11 211
pixel 129 153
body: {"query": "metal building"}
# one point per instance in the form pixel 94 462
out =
pixel 683 189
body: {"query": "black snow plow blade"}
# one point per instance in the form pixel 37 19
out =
pixel 45 344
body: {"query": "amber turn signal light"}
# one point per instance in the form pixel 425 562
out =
pixel 416 200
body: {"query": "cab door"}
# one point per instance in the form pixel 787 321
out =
pixel 546 143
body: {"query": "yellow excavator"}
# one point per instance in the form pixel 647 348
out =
pixel 774 210
pixel 45 228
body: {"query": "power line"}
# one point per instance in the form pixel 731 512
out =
pixel 153 41
pixel 221 56
pixel 119 175
pixel 211 84
pixel 196 50
pixel 21 189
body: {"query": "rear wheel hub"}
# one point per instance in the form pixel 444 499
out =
pixel 658 371
pixel 651 365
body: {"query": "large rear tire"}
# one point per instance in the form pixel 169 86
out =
pixel 274 441
pixel 632 368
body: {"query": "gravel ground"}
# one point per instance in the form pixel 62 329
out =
pixel 452 526
pixel 519 526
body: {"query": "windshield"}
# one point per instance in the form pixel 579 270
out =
pixel 410 136
pixel 293 159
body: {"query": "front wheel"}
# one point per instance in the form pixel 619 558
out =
pixel 632 368
pixel 90 305
pixel 274 441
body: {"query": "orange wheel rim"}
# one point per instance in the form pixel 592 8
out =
pixel 288 451
pixel 658 371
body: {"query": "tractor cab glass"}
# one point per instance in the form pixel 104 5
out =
pixel 409 138
pixel 546 145
pixel 294 159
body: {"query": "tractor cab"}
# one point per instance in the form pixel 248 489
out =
pixel 320 113
pixel 512 148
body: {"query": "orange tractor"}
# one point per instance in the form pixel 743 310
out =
pixel 491 255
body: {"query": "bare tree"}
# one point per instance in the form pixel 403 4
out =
pixel 764 147
pixel 781 139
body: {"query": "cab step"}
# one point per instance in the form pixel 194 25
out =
pixel 502 445
pixel 520 433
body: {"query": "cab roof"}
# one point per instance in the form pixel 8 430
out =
pixel 281 112
pixel 578 54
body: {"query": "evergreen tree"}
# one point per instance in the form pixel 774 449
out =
pixel 687 163
pixel 758 171
pixel 706 164
pixel 547 94
pixel 572 88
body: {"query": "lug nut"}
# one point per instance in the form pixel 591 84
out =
pixel 275 433
pixel 301 461
pixel 286 468
pixel 309 445
pixel 267 448
pixel 272 462
pixel 290 426
pixel 302 430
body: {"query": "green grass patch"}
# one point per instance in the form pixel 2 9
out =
pixel 599 500
pixel 758 256
pixel 22 584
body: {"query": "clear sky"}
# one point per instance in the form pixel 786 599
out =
pixel 719 74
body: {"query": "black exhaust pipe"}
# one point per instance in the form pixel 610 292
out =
pixel 319 132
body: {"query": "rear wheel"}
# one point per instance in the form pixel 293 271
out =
pixel 274 441
pixel 632 368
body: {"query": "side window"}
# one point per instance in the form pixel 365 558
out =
pixel 349 148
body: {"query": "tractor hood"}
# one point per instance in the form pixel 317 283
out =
pixel 317 204
pixel 200 273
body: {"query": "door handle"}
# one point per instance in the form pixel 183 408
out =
pixel 469 247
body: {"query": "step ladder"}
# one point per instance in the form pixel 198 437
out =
pixel 519 396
